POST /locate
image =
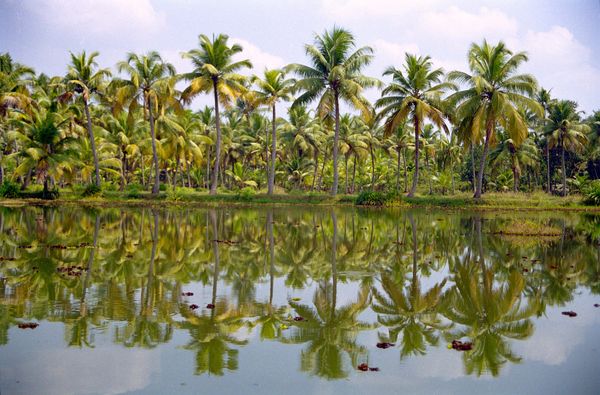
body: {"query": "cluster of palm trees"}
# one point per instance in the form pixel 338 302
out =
pixel 137 127
pixel 138 264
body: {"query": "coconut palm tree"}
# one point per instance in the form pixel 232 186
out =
pixel 271 89
pixel 14 78
pixel 520 156
pixel 147 75
pixel 215 69
pixel 494 95
pixel 565 130
pixel 334 74
pixel 45 147
pixel 86 80
pixel 414 93
pixel 544 99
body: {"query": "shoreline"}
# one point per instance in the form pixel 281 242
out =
pixel 490 203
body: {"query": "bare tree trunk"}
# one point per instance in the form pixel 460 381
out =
pixel 215 174
pixel 405 170
pixel 564 169
pixel 336 137
pixel 473 174
pixel 486 147
pixel 372 168
pixel 413 189
pixel 273 154
pixel 156 186
pixel 346 174
pixel 398 172
pixel 92 142
pixel 353 188
pixel 549 186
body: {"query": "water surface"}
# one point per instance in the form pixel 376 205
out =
pixel 301 298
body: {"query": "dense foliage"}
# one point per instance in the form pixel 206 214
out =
pixel 488 129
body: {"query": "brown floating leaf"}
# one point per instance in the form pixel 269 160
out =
pixel 569 313
pixel 210 306
pixel 298 318
pixel 374 369
pixel 194 306
pixel 28 325
pixel 187 294
pixel 385 345
pixel 596 304
pixel 461 346
pixel 363 367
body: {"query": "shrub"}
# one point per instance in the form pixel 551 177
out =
pixel 246 194
pixel 9 189
pixel 371 198
pixel 175 194
pixel 162 187
pixel 592 194
pixel 41 194
pixel 91 190
pixel 132 191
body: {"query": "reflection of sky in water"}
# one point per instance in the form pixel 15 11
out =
pixel 561 357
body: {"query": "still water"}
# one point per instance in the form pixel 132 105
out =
pixel 293 300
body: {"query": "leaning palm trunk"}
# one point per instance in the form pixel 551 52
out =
pixel 273 154
pixel 156 186
pixel 215 173
pixel 413 189
pixel 336 137
pixel 92 142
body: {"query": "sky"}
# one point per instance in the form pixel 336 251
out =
pixel 562 38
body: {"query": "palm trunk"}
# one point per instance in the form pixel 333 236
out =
pixel 486 147
pixel 312 188
pixel 515 179
pixel 92 142
pixel 405 170
pixel 215 173
pixel 346 174
pixel 372 168
pixel 273 154
pixel 473 175
pixel 336 137
pixel 398 172
pixel 353 174
pixel 564 170
pixel 413 189
pixel 549 186
pixel 156 186
pixel 322 170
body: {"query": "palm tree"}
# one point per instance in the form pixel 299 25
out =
pixel 565 130
pixel 334 74
pixel 215 69
pixel 525 154
pixel 45 147
pixel 14 78
pixel 399 143
pixel 147 75
pixel 87 80
pixel 271 89
pixel 415 93
pixel 493 96
pixel 544 99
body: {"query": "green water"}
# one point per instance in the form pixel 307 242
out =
pixel 301 298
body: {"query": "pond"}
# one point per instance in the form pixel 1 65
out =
pixel 293 300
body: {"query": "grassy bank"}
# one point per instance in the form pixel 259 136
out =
pixel 491 201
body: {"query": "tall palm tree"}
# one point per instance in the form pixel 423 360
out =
pixel 544 99
pixel 414 92
pixel 565 130
pixel 14 78
pixel 86 80
pixel 334 74
pixel 272 88
pixel 493 96
pixel 147 75
pixel 215 69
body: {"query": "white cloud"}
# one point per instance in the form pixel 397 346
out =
pixel 346 10
pixel 260 59
pixel 395 52
pixel 100 17
pixel 560 62
pixel 455 24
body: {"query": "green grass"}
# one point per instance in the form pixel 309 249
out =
pixel 186 196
